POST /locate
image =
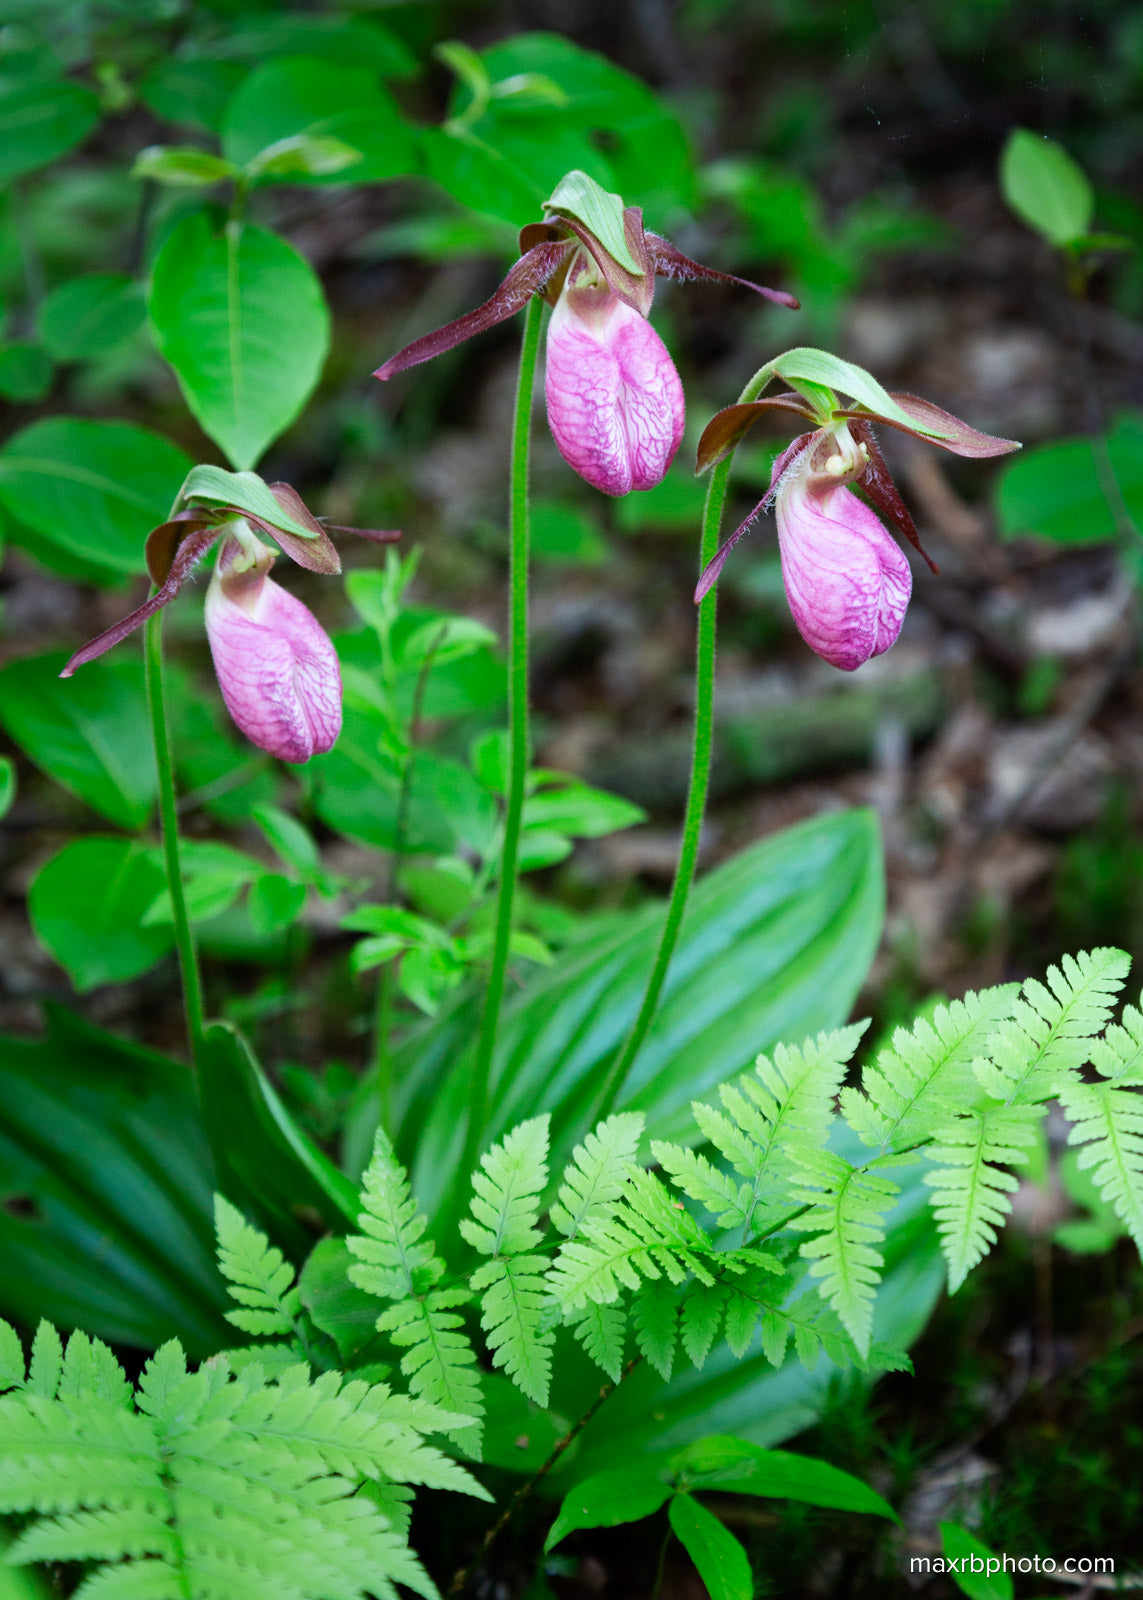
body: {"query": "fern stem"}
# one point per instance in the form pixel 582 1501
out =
pixel 168 813
pixel 463 1574
pixel 517 727
pixel 699 781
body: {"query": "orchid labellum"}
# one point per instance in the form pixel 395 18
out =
pixel 615 403
pixel 847 580
pixel 276 666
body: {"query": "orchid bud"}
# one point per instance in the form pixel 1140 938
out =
pixel 615 403
pixel 847 580
pixel 276 666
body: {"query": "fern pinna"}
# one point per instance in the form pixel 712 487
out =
pixel 272 1470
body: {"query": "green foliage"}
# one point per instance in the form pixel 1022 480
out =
pixel 41 118
pixel 91 316
pixel 211 1481
pixel 93 490
pixel 505 1207
pixel 88 906
pixel 1046 188
pixel 242 319
pixel 394 1262
pixel 1068 491
pixel 978 1571
pixel 258 1276
pixel 108 1180
pixel 89 733
pixel 971 1192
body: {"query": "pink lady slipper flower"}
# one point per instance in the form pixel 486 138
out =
pixel 615 403
pixel 847 580
pixel 276 665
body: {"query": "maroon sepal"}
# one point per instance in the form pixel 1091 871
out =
pixel 713 569
pixel 535 233
pixel 877 482
pixel 671 263
pixel 959 438
pixel 317 554
pixel 729 426
pixel 526 277
pixel 190 549
pixel 164 541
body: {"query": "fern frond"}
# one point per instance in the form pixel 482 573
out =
pixel 396 1262
pixel 846 1205
pixel 505 1206
pixel 1108 1129
pixel 971 1191
pixel 594 1177
pixel 647 1236
pixel 1118 1055
pixel 1049 1037
pixel 219 1485
pixel 655 1313
pixel 784 1105
pixel 926 1074
pixel 602 1331
pixel 257 1275
pixel 703 1309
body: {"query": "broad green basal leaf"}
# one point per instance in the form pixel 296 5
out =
pixel 241 317
pixel 101 1142
pixel 775 945
pixel 96 489
pixel 1058 490
pixel 91 732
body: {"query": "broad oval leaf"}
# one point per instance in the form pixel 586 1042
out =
pixel 87 907
pixel 94 488
pixel 241 317
pixel 102 1142
pixel 41 120
pixel 721 1561
pixel 90 733
pixel 90 316
pixel 321 99
pixel 1045 187
pixel 1057 490
pixel 986 1580
pixel 607 1499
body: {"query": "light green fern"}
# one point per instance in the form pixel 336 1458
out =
pixel 257 1275
pixel 972 1186
pixel 505 1211
pixel 1108 1128
pixel 396 1262
pixel 926 1075
pixel 1049 1037
pixel 844 1211
pixel 211 1484
pixel 782 1106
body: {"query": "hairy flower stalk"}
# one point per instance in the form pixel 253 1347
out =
pixel 847 580
pixel 615 403
pixel 276 666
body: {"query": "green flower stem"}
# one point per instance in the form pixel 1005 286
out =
pixel 184 939
pixel 517 727
pixel 700 775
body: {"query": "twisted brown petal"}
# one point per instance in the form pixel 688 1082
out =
pixel 877 482
pixel 193 546
pixel 526 277
pixel 671 263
